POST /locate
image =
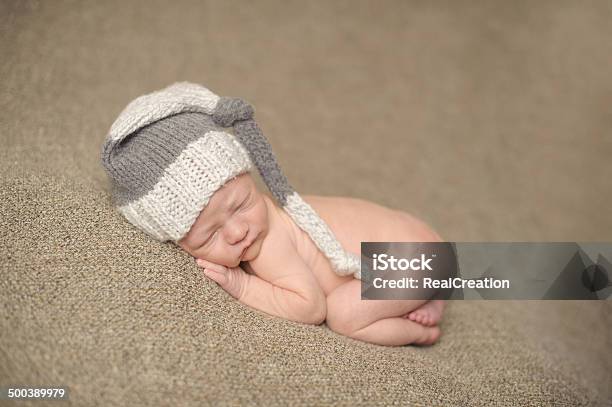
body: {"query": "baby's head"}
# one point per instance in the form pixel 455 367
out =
pixel 177 173
pixel 231 228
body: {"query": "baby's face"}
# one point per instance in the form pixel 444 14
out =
pixel 232 226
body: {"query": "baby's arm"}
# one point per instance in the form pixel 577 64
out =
pixel 283 286
pixel 292 296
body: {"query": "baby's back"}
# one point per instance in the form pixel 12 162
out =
pixel 352 221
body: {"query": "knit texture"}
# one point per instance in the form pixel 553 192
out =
pixel 168 152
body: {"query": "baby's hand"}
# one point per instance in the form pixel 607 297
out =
pixel 231 279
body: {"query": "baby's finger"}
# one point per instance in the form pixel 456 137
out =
pixel 208 264
pixel 217 277
pixel 203 263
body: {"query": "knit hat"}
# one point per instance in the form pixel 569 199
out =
pixel 168 152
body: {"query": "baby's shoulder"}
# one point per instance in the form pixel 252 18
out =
pixel 281 226
pixel 285 238
pixel 279 254
pixel 280 240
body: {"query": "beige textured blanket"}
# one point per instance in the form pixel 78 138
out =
pixel 489 120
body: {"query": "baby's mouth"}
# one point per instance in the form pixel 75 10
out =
pixel 248 246
pixel 244 251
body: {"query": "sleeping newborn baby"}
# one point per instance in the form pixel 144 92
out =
pixel 180 162
pixel 254 251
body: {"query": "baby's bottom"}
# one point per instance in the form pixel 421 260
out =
pixel 376 321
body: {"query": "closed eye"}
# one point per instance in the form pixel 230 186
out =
pixel 210 239
pixel 246 203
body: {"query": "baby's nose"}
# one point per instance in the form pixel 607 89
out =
pixel 236 231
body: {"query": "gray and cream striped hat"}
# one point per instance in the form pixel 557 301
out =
pixel 168 152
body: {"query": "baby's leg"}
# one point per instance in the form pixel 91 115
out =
pixel 376 321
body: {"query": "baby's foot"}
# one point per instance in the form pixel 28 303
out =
pixel 430 336
pixel 428 314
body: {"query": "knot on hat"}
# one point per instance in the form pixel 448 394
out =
pixel 229 110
